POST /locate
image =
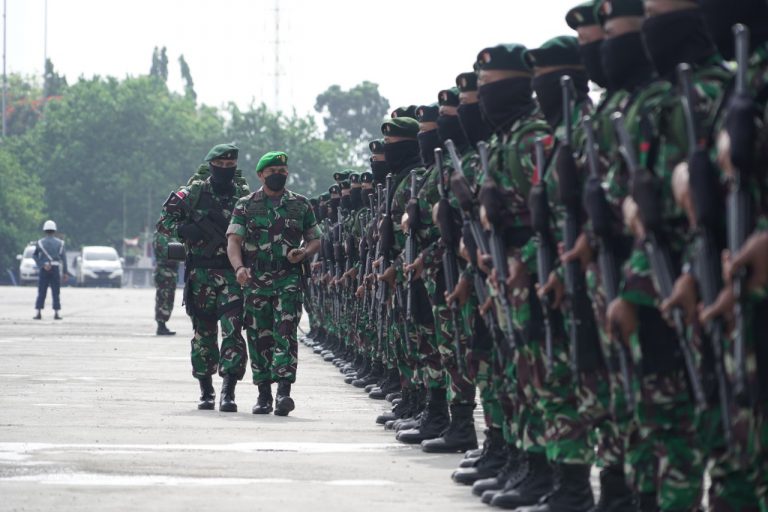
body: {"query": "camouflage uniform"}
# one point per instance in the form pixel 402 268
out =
pixel 270 228
pixel 166 275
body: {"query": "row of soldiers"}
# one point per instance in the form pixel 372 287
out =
pixel 594 272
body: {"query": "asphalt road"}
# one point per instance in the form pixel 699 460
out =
pixel 98 413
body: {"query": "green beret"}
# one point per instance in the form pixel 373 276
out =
pixel 427 113
pixel 325 197
pixel 608 9
pixel 270 159
pixel 313 201
pixel 341 175
pixel 467 82
pixel 508 57
pixel 334 189
pixel 376 147
pixel 409 111
pixel 222 152
pixel 448 97
pixel 582 15
pixel 345 185
pixel 558 51
pixel 354 177
pixel 366 177
pixel 400 127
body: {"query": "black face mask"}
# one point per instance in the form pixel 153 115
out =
pixel 221 178
pixel 549 93
pixel 346 202
pixel 379 169
pixel 472 123
pixel 590 56
pixel 675 37
pixel 625 62
pixel 275 182
pixel 428 141
pixel 721 15
pixel 356 195
pixel 367 192
pixel 449 127
pixel 400 154
pixel 318 211
pixel 505 101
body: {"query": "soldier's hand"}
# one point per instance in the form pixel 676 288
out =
pixel 484 262
pixel 350 274
pixel 581 252
pixel 243 275
pixel 417 267
pixel 518 274
pixel 554 285
pixel 360 292
pixel 388 276
pixel 316 265
pixel 684 297
pixel 484 218
pixel 377 262
pixel 47 266
pixel 404 223
pixel 721 308
pixel 460 293
pixel 754 257
pixel 485 306
pixel 296 255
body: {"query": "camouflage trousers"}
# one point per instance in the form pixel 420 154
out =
pixel 271 320
pixel 216 298
pixel 165 290
pixel 461 386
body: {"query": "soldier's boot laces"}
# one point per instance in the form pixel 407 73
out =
pixel 536 483
pixel 227 401
pixel 488 464
pixel 615 494
pixel 433 423
pixel 162 330
pixel 207 394
pixel 283 401
pixel 38 316
pixel 571 491
pixel 264 402
pixel 459 437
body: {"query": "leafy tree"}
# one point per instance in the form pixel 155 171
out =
pixel 53 83
pixel 159 67
pixel 189 84
pixel 24 104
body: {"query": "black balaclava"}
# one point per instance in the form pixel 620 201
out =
pixel 379 168
pixel 222 178
pixel 676 37
pixel 400 155
pixel 549 92
pixel 356 195
pixel 625 61
pixel 449 127
pixel 591 57
pixel 428 141
pixel 366 192
pixel 334 204
pixel 346 202
pixel 721 15
pixel 276 182
pixel 505 101
pixel 472 123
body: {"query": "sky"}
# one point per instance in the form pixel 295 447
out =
pixel 411 48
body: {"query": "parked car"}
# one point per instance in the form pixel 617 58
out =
pixel 99 266
pixel 28 270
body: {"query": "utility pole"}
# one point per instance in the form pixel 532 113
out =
pixel 45 50
pixel 5 77
pixel 277 56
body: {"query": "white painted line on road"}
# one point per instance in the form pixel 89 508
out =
pixel 78 406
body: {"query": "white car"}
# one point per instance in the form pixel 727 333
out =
pixel 99 266
pixel 28 270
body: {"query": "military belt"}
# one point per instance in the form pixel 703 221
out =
pixel 272 266
pixel 219 262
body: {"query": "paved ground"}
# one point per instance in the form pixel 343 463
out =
pixel 97 413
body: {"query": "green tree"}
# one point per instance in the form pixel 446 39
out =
pixel 24 104
pixel 189 84
pixel 53 83
pixel 159 67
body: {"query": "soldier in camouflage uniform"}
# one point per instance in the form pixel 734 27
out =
pixel 166 275
pixel 265 238
pixel 199 214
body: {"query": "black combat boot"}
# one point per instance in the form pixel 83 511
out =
pixel 264 402
pixel 459 437
pixel 647 502
pixel 397 410
pixel 516 465
pixel 433 423
pixel 227 400
pixel 391 384
pixel 615 494
pixel 162 330
pixel 571 491
pixel 57 316
pixel 536 483
pixel 39 315
pixel 283 401
pixel 488 464
pixel 207 394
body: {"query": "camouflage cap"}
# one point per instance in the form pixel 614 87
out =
pixel 341 175
pixel 409 111
pixel 582 15
pixel 400 127
pixel 366 177
pixel 222 152
pixel 507 57
pixel 376 147
pixel 467 82
pixel 608 9
pixel 270 159
pixel 558 51
pixel 448 97
pixel 334 190
pixel 427 113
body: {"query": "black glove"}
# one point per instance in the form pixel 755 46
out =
pixel 191 232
